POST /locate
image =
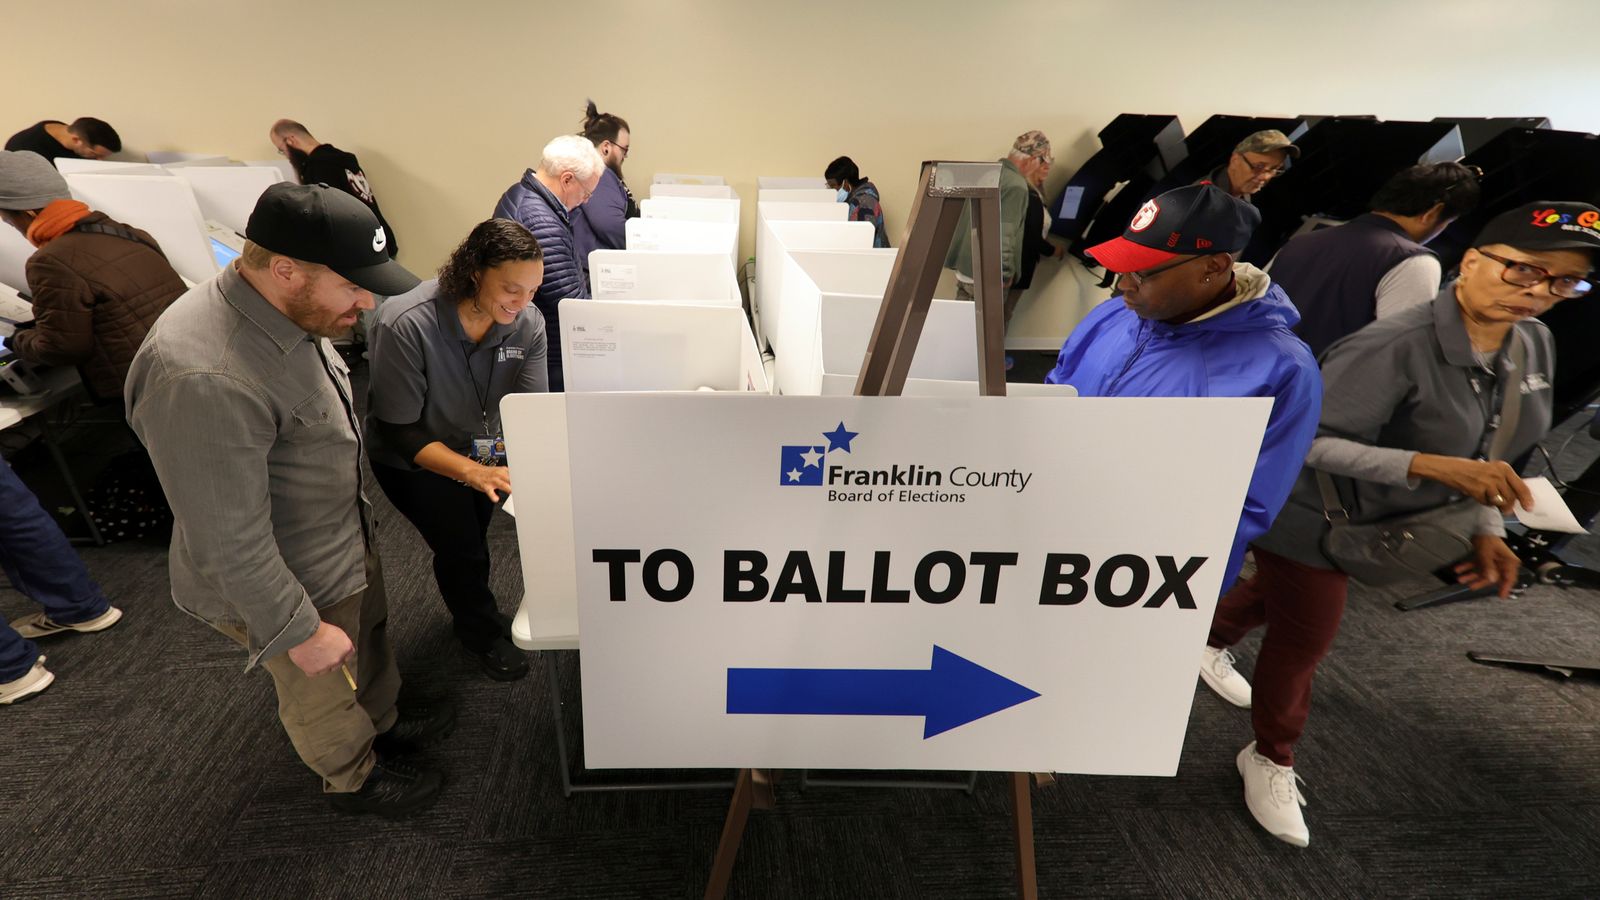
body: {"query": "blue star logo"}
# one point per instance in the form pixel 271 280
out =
pixel 839 438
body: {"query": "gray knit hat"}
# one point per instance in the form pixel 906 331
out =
pixel 28 181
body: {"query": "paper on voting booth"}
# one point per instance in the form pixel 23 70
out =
pixel 614 278
pixel 896 603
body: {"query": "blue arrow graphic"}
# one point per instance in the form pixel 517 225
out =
pixel 949 694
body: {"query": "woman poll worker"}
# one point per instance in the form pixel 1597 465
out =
pixel 442 357
pixel 1421 413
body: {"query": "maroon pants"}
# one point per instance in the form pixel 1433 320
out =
pixel 1301 606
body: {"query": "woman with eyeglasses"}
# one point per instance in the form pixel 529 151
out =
pixel 1415 419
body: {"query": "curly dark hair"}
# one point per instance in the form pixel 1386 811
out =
pixel 489 244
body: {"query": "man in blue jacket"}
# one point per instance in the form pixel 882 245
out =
pixel 543 202
pixel 1189 321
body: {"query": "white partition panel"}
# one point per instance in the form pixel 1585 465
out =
pixel 199 161
pixel 946 351
pixel 172 157
pixel 781 182
pixel 776 236
pixel 693 209
pixel 702 191
pixel 227 194
pixel 663 276
pixel 165 207
pixel 72 165
pixel 683 236
pixel 281 164
pixel 629 345
pixel 536 448
pixel 674 178
pixel 845 385
pixel 810 278
pixel 14 253
pixel 797 195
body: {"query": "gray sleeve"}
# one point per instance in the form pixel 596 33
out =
pixel 1353 459
pixel 535 375
pixel 208 436
pixel 397 372
pixel 1415 280
pixel 1492 522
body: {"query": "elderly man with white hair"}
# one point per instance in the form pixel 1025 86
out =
pixel 543 202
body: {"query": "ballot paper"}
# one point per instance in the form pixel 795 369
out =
pixel 1550 512
pixel 507 506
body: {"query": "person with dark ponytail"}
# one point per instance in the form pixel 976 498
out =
pixel 598 223
pixel 442 358
pixel 857 190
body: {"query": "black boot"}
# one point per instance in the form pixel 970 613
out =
pixel 502 661
pixel 419 725
pixel 393 789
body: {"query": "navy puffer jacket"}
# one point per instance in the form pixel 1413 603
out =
pixel 532 204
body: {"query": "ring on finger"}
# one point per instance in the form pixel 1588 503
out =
pixel 1499 499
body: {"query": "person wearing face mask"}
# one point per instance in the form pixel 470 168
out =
pixel 443 356
pixel 860 193
pixel 1415 419
pixel 317 163
pixel 568 174
pixel 1029 151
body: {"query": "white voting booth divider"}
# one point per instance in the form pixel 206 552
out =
pixel 683 236
pixel 776 238
pixel 690 209
pixel 784 182
pixel 72 165
pixel 14 253
pixel 797 195
pixel 227 194
pixel 663 276
pixel 636 345
pixel 183 158
pixel 675 178
pixel 700 191
pixel 281 164
pixel 164 207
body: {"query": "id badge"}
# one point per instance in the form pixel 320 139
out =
pixel 489 449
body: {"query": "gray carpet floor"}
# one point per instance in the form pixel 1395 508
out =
pixel 154 767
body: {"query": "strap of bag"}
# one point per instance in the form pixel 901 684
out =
pixel 1511 402
pixel 1510 413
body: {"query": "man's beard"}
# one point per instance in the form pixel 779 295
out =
pixel 615 167
pixel 297 158
pixel 314 318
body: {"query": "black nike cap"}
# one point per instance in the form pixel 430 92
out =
pixel 319 224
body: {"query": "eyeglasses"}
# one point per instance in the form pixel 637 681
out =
pixel 1139 278
pixel 1263 168
pixel 1523 274
pixel 624 149
pixel 586 194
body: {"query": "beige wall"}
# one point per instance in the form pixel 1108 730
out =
pixel 447 103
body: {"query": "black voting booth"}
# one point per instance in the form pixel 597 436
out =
pixel 1206 148
pixel 1343 161
pixel 1134 149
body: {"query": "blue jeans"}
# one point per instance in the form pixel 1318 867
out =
pixel 43 566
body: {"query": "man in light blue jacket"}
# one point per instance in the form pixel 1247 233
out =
pixel 1188 321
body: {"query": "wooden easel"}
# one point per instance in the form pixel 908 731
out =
pixel 943 188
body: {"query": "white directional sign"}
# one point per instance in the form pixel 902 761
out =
pixel 1018 584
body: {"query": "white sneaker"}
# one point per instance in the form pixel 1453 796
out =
pixel 1216 669
pixel 35 680
pixel 1272 793
pixel 38 625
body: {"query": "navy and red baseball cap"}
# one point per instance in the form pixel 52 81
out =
pixel 1189 221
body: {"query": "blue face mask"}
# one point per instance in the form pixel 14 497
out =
pixel 842 194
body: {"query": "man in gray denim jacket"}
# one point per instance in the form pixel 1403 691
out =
pixel 246 410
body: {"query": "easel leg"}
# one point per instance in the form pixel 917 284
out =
pixel 732 833
pixel 1022 820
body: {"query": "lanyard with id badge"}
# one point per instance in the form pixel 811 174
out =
pixel 488 447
